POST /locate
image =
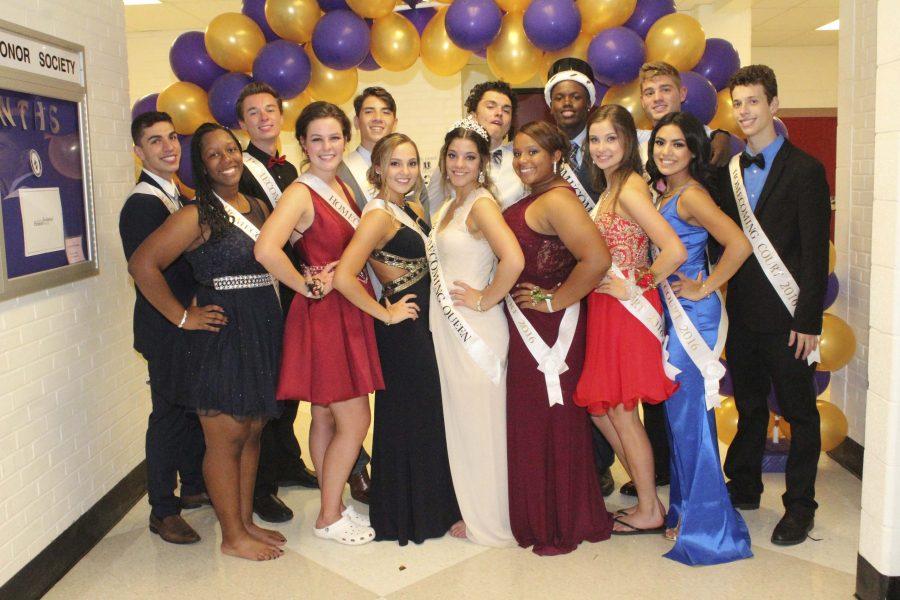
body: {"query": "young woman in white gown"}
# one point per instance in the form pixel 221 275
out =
pixel 474 261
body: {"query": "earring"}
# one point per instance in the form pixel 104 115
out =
pixel 556 168
pixel 481 177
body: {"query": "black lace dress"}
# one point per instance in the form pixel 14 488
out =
pixel 412 495
pixel 235 370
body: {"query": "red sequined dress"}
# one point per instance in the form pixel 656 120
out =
pixel 329 351
pixel 623 361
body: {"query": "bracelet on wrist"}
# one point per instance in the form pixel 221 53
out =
pixel 549 301
pixel 478 306
pixel 183 319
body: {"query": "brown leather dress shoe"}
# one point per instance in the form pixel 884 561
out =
pixel 174 529
pixel 194 500
pixel 359 486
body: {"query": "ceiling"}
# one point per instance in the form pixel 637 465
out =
pixel 775 22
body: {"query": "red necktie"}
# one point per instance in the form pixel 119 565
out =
pixel 275 160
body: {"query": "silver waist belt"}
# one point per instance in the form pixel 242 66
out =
pixel 238 282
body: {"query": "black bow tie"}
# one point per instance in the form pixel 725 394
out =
pixel 497 156
pixel 757 159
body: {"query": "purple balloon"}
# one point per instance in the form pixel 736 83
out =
pixel 646 13
pixel 283 65
pixel 223 96
pixel 256 10
pixel 144 104
pixel 419 17
pixel 329 5
pixel 726 386
pixel 600 91
pixel 370 64
pixel 616 56
pixel 821 379
pixel 719 62
pixel 185 170
pixel 473 24
pixel 191 62
pixel 552 24
pixel 781 129
pixel 701 96
pixel 831 291
pixel 341 40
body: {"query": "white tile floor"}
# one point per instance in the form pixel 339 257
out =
pixel 132 563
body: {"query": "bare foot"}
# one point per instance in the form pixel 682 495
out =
pixel 633 509
pixel 458 529
pixel 267 536
pixel 671 534
pixel 251 549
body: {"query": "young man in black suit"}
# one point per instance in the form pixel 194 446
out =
pixel 266 175
pixel 779 195
pixel 174 443
pixel 570 94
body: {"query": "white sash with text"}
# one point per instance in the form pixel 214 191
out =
pixel 359 169
pixel 244 224
pixel 327 194
pixel 170 203
pixel 571 178
pixel 265 179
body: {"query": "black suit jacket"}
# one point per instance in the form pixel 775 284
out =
pixel 284 175
pixel 583 172
pixel 141 215
pixel 794 210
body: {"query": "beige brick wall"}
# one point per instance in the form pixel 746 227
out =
pixel 73 403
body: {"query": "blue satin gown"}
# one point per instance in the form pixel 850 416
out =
pixel 710 530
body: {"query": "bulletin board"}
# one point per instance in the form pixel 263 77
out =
pixel 47 230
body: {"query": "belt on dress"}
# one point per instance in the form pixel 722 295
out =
pixel 239 282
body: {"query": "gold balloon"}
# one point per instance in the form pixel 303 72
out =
pixel 578 49
pixel 628 95
pixel 507 5
pixel 724 118
pixel 292 108
pixel 837 343
pixel 329 84
pixel 293 20
pixel 440 55
pixel 187 104
pixel 832 255
pixel 677 39
pixel 727 420
pixel 834 425
pixel 395 42
pixel 511 56
pixel 784 430
pixel 371 9
pixel 597 15
pixel 233 40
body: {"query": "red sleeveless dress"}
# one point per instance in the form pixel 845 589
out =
pixel 623 361
pixel 329 351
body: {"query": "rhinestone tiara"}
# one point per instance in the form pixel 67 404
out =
pixel 472 125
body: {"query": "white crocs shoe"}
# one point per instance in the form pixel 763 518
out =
pixel 357 518
pixel 345 531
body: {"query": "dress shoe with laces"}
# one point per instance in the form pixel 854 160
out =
pixel 300 476
pixel 359 486
pixel 607 483
pixel 194 500
pixel 174 529
pixel 628 489
pixel 792 529
pixel 271 509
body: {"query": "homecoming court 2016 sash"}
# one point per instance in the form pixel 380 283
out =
pixel 359 169
pixel 265 179
pixel 328 195
pixel 567 173
pixel 477 349
pixel 170 203
pixel 774 268
pixel 244 224
pixel 706 359
pixel 551 361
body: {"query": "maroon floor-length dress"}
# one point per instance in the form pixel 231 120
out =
pixel 554 496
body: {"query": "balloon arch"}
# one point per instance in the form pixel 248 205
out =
pixel 308 50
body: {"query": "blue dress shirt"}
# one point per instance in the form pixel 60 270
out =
pixel 754 177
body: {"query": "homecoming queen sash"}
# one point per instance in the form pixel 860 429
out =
pixel 551 361
pixel 328 195
pixel 265 179
pixel 774 268
pixel 476 347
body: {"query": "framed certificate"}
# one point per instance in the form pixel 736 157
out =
pixel 47 232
